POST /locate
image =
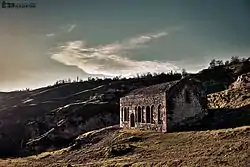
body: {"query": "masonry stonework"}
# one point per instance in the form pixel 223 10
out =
pixel 163 106
pixel 137 105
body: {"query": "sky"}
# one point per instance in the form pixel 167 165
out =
pixel 63 39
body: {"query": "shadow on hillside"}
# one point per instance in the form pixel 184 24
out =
pixel 221 118
pixel 227 118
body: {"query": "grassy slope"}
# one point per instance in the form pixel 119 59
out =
pixel 228 147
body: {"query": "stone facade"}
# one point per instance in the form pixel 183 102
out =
pixel 162 107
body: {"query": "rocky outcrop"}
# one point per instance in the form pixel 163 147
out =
pixel 243 81
pixel 231 98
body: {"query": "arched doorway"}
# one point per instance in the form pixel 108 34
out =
pixel 132 120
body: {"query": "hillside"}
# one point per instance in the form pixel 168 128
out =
pixel 51 118
pixel 120 148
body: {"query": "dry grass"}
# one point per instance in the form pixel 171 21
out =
pixel 228 147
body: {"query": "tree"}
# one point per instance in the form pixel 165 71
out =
pixel 212 63
pixel 116 78
pixel 219 63
pixel 227 62
pixel 184 72
pixel 148 75
pixel 235 59
pixel 89 78
pixel 155 74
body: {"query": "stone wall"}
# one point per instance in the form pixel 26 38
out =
pixel 152 101
pixel 184 100
pixel 187 103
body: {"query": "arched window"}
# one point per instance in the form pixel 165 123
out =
pixel 126 113
pixel 142 114
pixel 152 114
pixel 139 114
pixel 132 120
pixel 147 114
pixel 159 114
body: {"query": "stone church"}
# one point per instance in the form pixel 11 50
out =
pixel 163 106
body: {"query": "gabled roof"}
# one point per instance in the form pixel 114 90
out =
pixel 158 88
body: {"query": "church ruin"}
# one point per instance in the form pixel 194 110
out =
pixel 163 106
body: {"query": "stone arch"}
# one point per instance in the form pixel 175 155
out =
pixel 136 114
pixel 139 115
pixel 122 113
pixel 132 120
pixel 159 114
pixel 152 114
pixel 142 114
pixel 147 114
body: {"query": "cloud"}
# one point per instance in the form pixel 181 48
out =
pixel 50 35
pixel 160 34
pixel 65 29
pixel 71 27
pixel 110 60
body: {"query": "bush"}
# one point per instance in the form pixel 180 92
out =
pixel 212 63
pixel 234 59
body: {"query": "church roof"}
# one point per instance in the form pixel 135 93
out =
pixel 158 88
